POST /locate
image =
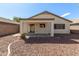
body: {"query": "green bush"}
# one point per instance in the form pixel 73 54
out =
pixel 23 36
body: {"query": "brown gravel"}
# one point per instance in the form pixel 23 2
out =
pixel 4 42
pixel 60 45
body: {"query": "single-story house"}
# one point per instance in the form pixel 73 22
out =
pixel 74 27
pixel 45 23
pixel 8 26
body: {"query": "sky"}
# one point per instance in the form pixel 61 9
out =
pixel 25 10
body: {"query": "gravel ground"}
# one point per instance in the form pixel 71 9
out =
pixel 60 45
pixel 45 49
pixel 4 42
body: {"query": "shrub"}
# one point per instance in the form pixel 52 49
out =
pixel 23 36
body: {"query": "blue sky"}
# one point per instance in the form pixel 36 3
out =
pixel 25 10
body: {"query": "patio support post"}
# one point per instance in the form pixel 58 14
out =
pixel 23 28
pixel 52 29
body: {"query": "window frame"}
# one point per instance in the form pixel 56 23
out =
pixel 59 26
pixel 42 25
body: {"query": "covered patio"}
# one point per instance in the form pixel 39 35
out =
pixel 37 27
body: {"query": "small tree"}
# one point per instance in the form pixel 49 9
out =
pixel 17 19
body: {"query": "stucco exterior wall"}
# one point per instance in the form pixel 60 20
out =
pixel 25 28
pixel 8 28
pixel 62 31
pixel 45 15
pixel 57 20
pixel 45 30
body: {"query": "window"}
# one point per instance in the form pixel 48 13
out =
pixel 59 26
pixel 42 25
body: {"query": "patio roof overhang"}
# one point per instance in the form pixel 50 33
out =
pixel 40 20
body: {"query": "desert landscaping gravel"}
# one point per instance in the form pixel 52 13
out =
pixel 4 42
pixel 60 45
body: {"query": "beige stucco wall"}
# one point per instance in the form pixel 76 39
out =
pixel 24 26
pixel 57 21
pixel 45 30
pixel 8 28
pixel 61 21
pixel 45 15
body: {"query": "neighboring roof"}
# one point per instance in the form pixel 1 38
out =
pixel 74 24
pixel 48 13
pixel 75 20
pixel 7 20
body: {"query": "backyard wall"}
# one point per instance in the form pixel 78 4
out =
pixel 8 28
